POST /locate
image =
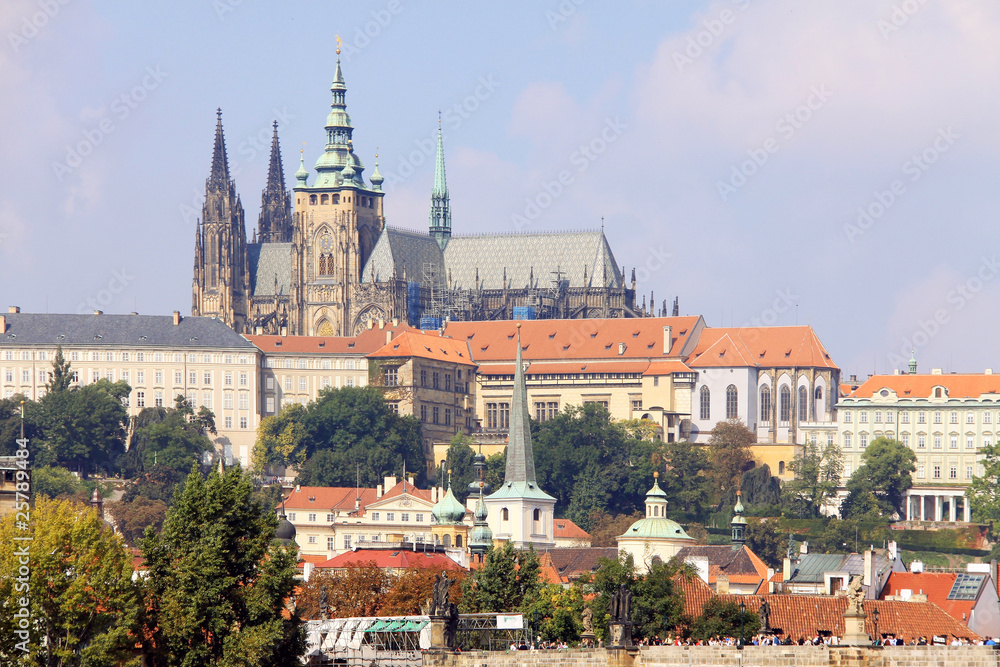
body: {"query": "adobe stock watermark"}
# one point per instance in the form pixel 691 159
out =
pixel 120 108
pixel 452 118
pixel 914 169
pixel 712 31
pixel 250 148
pixel 784 301
pixel 786 127
pixel 655 261
pixel 223 7
pixel 562 13
pixel 33 23
pixel 119 281
pixel 580 160
pixel 21 601
pixel 899 17
pixel 956 299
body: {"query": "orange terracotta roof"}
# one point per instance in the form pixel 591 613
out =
pixel 696 594
pixel 772 347
pixel 315 559
pixel 399 559
pixel 547 572
pixel 566 529
pixel 330 498
pixel 424 346
pixel 922 385
pixel 804 615
pixel 575 339
pixel 667 368
pixel 573 366
pixel 364 343
pixel 935 585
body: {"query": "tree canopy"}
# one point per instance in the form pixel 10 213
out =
pixel 984 491
pixel 344 431
pixel 82 598
pixel 817 476
pixel 508 581
pixel 878 487
pixel 217 583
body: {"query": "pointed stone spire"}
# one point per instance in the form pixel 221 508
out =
pixel 440 215
pixel 377 178
pixel 739 524
pixel 275 223
pixel 520 457
pixel 219 175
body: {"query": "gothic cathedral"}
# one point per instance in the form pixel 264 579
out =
pixel 323 263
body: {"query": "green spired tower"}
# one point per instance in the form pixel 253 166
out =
pixel 440 217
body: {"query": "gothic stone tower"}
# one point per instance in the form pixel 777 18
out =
pixel 221 278
pixel 337 221
pixel 275 222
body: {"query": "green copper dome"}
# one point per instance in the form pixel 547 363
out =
pixel 656 528
pixel 448 510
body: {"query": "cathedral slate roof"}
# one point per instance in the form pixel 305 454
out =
pixel 576 254
pixel 399 249
pixel 34 329
pixel 270 268
pixel 572 253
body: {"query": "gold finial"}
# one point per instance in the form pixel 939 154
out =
pixel 656 474
pixel 518 325
pixel 338 44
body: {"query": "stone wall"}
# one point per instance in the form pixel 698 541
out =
pixel 719 656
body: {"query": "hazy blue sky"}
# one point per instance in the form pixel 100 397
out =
pixel 729 146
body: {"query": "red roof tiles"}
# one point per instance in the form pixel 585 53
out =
pixel 427 346
pixel 772 347
pixel 391 559
pixel 922 385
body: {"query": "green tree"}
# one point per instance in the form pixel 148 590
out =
pixel 10 426
pixel 345 430
pixel 558 611
pixel 82 600
pixel 723 618
pixel 459 461
pixel 878 487
pixel 611 573
pixel 132 518
pixel 61 375
pixel 984 491
pixel 54 482
pixel 84 428
pixel 496 467
pixel 761 492
pixel 217 582
pixel 729 453
pixel 686 481
pixel 508 581
pixel 169 440
pixel 767 540
pixel 817 476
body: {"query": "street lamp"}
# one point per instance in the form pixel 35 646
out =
pixel 743 609
pixel 875 621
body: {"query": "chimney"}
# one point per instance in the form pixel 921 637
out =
pixel 621 348
pixel 668 338
pixel 389 481
pixel 917 566
pixel 770 580
pixel 869 569
pixel 413 482
pixel 3 323
pixel 893 550
pixel 786 569
pixel 297 488
pixel 378 491
pixel 935 371
pixel 895 371
pixel 988 371
pixel 388 336
pixel 395 321
pixel 177 317
pixel 98 312
pixel 14 309
pixel 722 585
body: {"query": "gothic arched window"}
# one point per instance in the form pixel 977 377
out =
pixel 765 404
pixel 785 404
pixel 706 403
pixel 803 404
pixel 732 402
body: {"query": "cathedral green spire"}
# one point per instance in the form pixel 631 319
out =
pixel 339 152
pixel 440 216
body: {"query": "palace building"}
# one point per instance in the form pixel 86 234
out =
pixel 322 261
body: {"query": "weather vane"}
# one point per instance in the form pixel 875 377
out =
pixel 338 44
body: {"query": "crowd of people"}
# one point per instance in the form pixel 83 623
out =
pixel 763 640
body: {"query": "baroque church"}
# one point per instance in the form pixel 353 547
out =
pixel 322 261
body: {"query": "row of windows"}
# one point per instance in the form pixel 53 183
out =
pixel 435 413
pixel 785 403
pixel 921 441
pixel 139 376
pixel 303 384
pixel 311 517
pixel 936 472
pixel 321 364
pixel 111 355
pixel 732 403
pixel 904 417
pixel 570 376
pixel 327 199
pixel 436 377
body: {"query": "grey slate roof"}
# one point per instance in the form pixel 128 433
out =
pixel 36 329
pixel 572 253
pixel 568 252
pixel 811 567
pixel 399 248
pixel 270 261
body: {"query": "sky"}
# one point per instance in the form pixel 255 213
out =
pixel 768 162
